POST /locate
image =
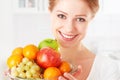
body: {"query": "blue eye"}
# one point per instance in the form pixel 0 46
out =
pixel 61 16
pixel 81 20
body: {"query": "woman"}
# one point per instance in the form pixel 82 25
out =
pixel 70 19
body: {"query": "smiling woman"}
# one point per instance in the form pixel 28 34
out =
pixel 29 28
pixel 69 21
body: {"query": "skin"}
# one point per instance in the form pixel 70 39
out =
pixel 69 25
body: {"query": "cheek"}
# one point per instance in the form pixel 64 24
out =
pixel 56 24
pixel 82 28
pixel 53 23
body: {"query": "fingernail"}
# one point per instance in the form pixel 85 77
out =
pixel 65 73
pixel 60 77
pixel 79 66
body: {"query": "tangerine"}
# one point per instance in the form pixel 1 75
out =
pixel 14 60
pixel 18 51
pixel 51 73
pixel 65 67
pixel 30 51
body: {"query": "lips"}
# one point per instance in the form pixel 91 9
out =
pixel 67 36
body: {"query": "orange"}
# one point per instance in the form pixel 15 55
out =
pixel 18 51
pixel 51 73
pixel 14 60
pixel 65 67
pixel 30 51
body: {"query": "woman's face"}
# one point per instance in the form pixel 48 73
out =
pixel 69 21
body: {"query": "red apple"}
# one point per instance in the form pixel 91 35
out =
pixel 48 57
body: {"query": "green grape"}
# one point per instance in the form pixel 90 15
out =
pixel 26 68
pixel 20 69
pixel 32 71
pixel 29 63
pixel 22 75
pixel 13 68
pixel 21 64
pixel 28 74
pixel 25 60
pixel 37 68
pixel 14 72
pixel 33 67
pixel 36 75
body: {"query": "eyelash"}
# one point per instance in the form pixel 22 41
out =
pixel 64 17
pixel 81 20
pixel 61 16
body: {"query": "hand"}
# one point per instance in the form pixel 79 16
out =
pixel 69 76
pixel 6 72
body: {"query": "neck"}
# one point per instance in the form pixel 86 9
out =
pixel 71 51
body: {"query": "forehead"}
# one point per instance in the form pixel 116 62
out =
pixel 72 6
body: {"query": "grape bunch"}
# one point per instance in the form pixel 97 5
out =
pixel 27 69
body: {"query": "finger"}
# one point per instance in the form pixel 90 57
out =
pixel 61 78
pixel 79 70
pixel 6 72
pixel 69 76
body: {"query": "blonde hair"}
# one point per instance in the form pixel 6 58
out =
pixel 93 4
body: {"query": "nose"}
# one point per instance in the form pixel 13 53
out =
pixel 69 26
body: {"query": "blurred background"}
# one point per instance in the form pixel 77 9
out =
pixel 27 21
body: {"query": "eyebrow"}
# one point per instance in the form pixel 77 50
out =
pixel 75 15
pixel 62 12
pixel 81 15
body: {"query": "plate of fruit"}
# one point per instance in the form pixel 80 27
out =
pixel 42 62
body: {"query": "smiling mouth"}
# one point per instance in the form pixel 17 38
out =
pixel 66 36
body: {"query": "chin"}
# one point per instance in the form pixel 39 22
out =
pixel 68 44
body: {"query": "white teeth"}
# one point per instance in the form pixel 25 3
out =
pixel 67 36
